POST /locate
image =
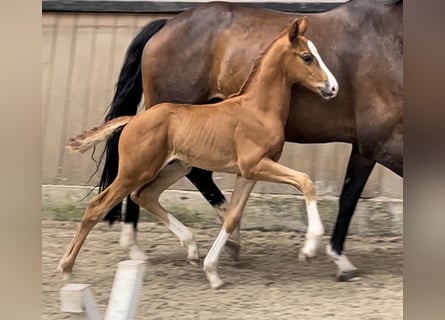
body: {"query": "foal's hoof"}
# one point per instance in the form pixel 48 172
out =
pixel 137 254
pixel 305 256
pixel 66 277
pixel 66 274
pixel 216 284
pixel 233 249
pixel 349 275
pixel 215 281
pixel 194 262
pixel 309 250
pixel 64 266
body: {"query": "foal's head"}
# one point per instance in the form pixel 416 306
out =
pixel 303 63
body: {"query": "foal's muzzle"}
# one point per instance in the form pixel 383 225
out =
pixel 328 91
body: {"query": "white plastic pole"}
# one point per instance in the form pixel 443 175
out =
pixel 77 299
pixel 125 290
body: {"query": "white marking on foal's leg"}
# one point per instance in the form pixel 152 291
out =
pixel 331 79
pixel 315 231
pixel 186 238
pixel 211 260
pixel 233 244
pixel 345 269
pixel 128 242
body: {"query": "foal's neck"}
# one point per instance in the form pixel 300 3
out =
pixel 270 88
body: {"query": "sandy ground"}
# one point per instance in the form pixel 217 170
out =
pixel 267 283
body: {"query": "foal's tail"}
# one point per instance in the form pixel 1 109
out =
pixel 86 140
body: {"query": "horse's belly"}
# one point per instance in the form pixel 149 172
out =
pixel 204 138
pixel 209 161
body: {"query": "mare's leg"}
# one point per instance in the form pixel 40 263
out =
pixel 97 208
pixel 128 238
pixel 148 198
pixel 269 170
pixel 239 198
pixel 202 180
pixel 357 173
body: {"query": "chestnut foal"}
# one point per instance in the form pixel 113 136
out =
pixel 243 135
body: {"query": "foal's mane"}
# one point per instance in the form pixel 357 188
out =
pixel 256 66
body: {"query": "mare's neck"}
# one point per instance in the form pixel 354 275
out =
pixel 270 88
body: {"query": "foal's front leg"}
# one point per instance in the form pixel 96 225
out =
pixel 269 170
pixel 203 181
pixel 238 201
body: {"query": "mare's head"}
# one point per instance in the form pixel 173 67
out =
pixel 303 64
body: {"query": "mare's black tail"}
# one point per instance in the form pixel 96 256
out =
pixel 128 94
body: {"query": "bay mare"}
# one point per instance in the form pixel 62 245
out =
pixel 204 54
pixel 243 135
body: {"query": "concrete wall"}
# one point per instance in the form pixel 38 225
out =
pixel 81 59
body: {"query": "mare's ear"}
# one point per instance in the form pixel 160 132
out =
pixel 297 28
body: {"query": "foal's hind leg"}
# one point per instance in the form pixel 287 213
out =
pixel 269 170
pixel 97 208
pixel 148 197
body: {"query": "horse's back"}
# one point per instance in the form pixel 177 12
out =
pixel 197 49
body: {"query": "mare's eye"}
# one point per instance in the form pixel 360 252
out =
pixel 307 58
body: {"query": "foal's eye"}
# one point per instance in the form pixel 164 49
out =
pixel 307 58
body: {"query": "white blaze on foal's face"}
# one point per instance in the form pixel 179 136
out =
pixel 332 84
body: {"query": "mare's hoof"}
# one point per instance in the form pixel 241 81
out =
pixel 137 254
pixel 347 275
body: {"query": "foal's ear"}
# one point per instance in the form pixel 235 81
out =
pixel 297 28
